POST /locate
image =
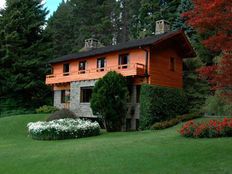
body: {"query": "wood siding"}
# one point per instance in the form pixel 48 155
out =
pixel 159 68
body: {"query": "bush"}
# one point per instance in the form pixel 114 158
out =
pixel 63 113
pixel 175 121
pixel 190 116
pixel 210 129
pixel 165 124
pixel 109 100
pixel 46 109
pixel 214 105
pixel 63 129
pixel 160 104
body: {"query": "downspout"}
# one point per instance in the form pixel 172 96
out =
pixel 146 62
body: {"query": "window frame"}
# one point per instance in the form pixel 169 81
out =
pixel 83 97
pixel 104 63
pixel 64 97
pixel 123 65
pixel 66 69
pixel 80 70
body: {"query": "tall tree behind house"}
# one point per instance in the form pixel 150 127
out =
pixel 24 52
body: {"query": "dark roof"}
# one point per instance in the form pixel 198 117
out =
pixel 127 45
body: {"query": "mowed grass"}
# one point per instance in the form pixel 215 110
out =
pixel 146 152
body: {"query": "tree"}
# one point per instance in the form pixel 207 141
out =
pixel 24 52
pixel 109 100
pixel 61 27
pixel 214 20
pixel 153 10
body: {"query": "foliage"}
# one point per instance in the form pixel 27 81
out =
pixel 109 100
pixel 165 124
pixel 215 105
pixel 195 88
pixel 190 116
pixel 142 149
pixel 62 113
pixel 24 52
pixel 160 103
pixel 214 21
pixel 175 121
pixel 63 129
pixel 153 10
pixel 210 129
pixel 46 109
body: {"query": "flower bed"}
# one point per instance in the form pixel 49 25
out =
pixel 209 129
pixel 63 129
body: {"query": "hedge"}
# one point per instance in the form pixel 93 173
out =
pixel 159 104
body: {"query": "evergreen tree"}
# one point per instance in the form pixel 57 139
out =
pixel 92 19
pixel 153 10
pixel 24 52
pixel 61 27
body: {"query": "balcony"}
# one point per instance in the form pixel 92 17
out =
pixel 126 70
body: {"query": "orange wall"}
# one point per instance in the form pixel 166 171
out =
pixel 135 56
pixel 159 68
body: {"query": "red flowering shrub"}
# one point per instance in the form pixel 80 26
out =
pixel 209 129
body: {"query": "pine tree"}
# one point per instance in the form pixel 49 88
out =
pixel 153 10
pixel 61 27
pixel 24 52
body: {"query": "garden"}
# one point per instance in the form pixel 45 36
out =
pixel 120 152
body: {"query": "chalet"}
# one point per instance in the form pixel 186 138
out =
pixel 156 60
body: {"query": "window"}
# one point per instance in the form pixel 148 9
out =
pixel 65 96
pixel 86 93
pixel 66 69
pixel 101 64
pixel 82 67
pixel 123 60
pixel 138 88
pixel 172 64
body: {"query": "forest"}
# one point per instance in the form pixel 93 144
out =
pixel 28 40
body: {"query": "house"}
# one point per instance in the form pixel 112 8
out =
pixel 155 60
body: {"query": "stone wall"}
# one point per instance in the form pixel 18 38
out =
pixel 81 109
pixel 84 109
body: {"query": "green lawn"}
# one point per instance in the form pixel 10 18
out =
pixel 147 152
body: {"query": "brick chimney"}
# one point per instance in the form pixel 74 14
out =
pixel 161 27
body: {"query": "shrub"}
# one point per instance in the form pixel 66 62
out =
pixel 160 104
pixel 46 109
pixel 175 121
pixel 214 105
pixel 63 113
pixel 210 129
pixel 63 129
pixel 190 116
pixel 165 124
pixel 109 100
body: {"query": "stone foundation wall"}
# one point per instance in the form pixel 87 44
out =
pixel 81 109
pixel 84 109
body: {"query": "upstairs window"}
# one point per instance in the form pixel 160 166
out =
pixel 101 64
pixel 86 93
pixel 66 69
pixel 172 64
pixel 123 60
pixel 82 67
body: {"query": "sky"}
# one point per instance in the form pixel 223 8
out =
pixel 51 5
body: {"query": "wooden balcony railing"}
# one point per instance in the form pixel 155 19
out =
pixel 90 74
